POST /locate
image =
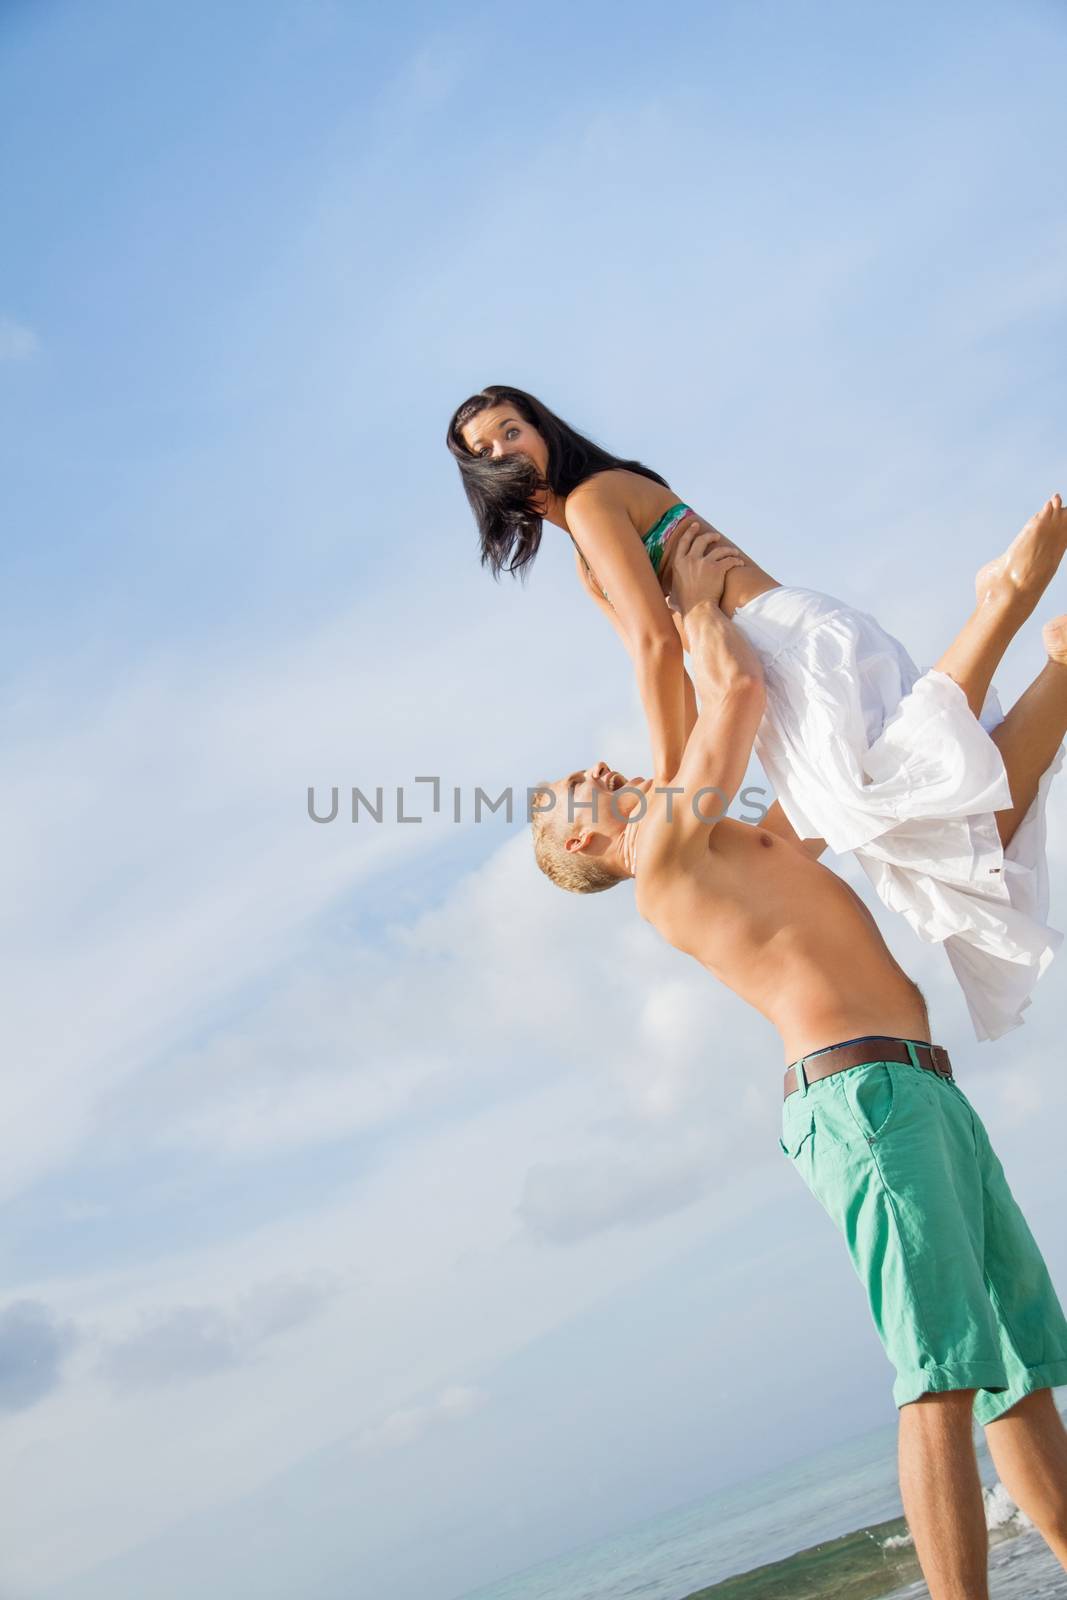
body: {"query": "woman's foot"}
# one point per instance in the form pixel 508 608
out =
pixel 1054 635
pixel 1020 576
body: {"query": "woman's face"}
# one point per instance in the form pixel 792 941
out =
pixel 501 431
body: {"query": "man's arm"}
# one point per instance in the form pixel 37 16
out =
pixel 730 683
pixel 777 822
pixel 775 819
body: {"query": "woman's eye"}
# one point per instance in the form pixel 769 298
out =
pixel 512 433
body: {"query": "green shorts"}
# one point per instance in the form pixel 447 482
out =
pixel 958 1289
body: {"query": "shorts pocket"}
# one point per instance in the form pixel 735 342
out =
pixel 797 1129
pixel 872 1094
pixel 972 1117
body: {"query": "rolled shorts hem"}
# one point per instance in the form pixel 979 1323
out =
pixel 995 1394
pixel 988 1407
pixel 941 1380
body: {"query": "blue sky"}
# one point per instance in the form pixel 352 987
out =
pixel 351 1171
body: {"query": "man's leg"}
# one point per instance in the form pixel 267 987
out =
pixel 1029 1449
pixel 1007 590
pixel 942 1494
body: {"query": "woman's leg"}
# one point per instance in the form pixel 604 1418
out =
pixel 1007 589
pixel 1034 729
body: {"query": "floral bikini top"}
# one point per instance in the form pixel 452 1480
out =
pixel 654 541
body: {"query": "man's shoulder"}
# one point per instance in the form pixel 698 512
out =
pixel 681 821
pixel 676 866
pixel 668 878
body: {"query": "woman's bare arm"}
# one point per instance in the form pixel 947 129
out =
pixel 605 535
pixel 589 585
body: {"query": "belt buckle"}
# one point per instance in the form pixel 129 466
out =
pixel 941 1063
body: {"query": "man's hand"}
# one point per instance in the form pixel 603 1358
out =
pixel 701 562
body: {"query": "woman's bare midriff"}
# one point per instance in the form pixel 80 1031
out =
pixel 795 941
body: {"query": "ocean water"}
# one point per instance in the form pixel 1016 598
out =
pixel 849 1489
pixel 1024 1569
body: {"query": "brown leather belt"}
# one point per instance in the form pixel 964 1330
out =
pixel 857 1052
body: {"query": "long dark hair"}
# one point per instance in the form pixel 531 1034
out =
pixel 501 492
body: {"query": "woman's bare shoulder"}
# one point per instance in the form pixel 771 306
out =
pixel 602 489
pixel 619 490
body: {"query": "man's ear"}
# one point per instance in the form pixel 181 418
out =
pixel 579 842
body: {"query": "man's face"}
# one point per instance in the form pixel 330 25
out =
pixel 501 431
pixel 586 804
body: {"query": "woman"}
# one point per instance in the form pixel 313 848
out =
pixel 917 774
pixel 521 465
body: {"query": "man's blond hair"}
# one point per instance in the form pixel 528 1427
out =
pixel 570 869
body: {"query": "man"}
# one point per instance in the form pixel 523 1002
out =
pixel 872 1117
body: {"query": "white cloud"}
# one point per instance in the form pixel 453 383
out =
pixel 17 341
pixel 33 1345
pixel 428 80
pixel 550 1127
pixel 192 1341
pixel 405 1426
pixel 161 826
pixel 566 1201
pixel 557 1102
pixel 487 994
pixel 427 1238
